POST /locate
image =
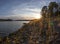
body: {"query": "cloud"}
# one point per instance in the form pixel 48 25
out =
pixel 25 8
pixel 33 10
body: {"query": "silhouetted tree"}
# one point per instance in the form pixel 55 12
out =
pixel 53 8
pixel 44 11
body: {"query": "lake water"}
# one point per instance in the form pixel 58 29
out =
pixel 7 27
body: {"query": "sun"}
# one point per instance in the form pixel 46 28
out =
pixel 38 16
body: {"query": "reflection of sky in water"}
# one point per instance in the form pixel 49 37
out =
pixel 11 26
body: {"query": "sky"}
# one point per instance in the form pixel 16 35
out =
pixel 22 9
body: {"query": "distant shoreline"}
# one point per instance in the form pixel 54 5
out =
pixel 13 20
pixel 21 20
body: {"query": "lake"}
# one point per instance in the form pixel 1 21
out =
pixel 7 27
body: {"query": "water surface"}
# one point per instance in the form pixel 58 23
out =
pixel 7 27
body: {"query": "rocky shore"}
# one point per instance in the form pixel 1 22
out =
pixel 32 33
